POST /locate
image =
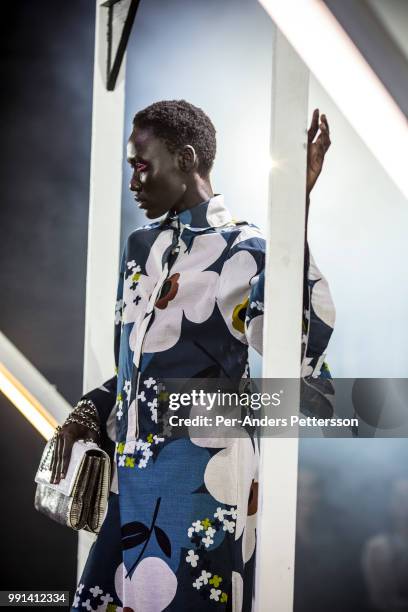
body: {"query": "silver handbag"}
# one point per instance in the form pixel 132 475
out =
pixel 80 499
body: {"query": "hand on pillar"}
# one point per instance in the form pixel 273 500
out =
pixel 316 148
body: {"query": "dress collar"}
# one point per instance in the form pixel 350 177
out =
pixel 211 213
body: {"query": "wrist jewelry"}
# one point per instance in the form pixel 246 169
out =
pixel 86 414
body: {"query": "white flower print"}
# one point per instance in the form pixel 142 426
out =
pixel 237 457
pixel 87 605
pixel 96 590
pixel 119 412
pixel 141 396
pixel 254 331
pixel 307 369
pixel 118 311
pixel 205 576
pixel 320 296
pixel 215 594
pixel 121 460
pixel 153 409
pixel 219 514
pixel 139 444
pixel 143 462
pixel 151 588
pixel 147 453
pixel 249 538
pixel 106 599
pixel 207 541
pixel 138 287
pixel 192 558
pixel 75 603
pixel 234 513
pixel 197 584
pixel 153 413
pixel 210 532
pixel 198 526
pixel 237 589
pixel 189 278
pixel 149 382
pixel 228 526
pixel 258 305
pixel 127 387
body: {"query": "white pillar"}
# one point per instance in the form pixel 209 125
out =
pixel 282 328
pixel 104 226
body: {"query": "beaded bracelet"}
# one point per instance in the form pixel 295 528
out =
pixel 86 414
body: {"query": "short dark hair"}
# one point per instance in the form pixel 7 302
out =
pixel 180 123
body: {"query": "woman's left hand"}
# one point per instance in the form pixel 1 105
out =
pixel 316 149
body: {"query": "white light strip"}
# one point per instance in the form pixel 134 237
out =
pixel 336 62
pixel 26 404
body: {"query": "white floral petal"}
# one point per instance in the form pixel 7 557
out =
pixel 205 250
pixel 254 333
pixel 164 331
pixel 151 588
pixel 198 295
pixel 154 261
pixel 237 591
pixel 322 302
pixel 249 539
pixel 220 476
pixel 228 478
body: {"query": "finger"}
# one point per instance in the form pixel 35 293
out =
pixel 54 460
pixel 314 125
pixel 66 455
pixel 323 138
pixel 59 457
pixel 325 141
pixel 323 119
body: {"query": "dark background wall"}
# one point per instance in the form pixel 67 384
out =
pixel 46 66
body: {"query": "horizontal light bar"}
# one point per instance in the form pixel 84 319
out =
pixel 26 403
pixel 336 62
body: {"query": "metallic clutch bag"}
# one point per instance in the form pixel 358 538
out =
pixel 80 499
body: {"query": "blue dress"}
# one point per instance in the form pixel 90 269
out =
pixel 179 533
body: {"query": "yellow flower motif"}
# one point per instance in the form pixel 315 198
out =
pixel 215 580
pixel 121 447
pixel 163 396
pixel 223 597
pixel 119 397
pixel 136 276
pixel 111 607
pixel 238 315
pixel 150 438
pixel 130 462
pixel 206 523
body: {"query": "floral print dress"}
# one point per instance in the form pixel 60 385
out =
pixel 179 533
